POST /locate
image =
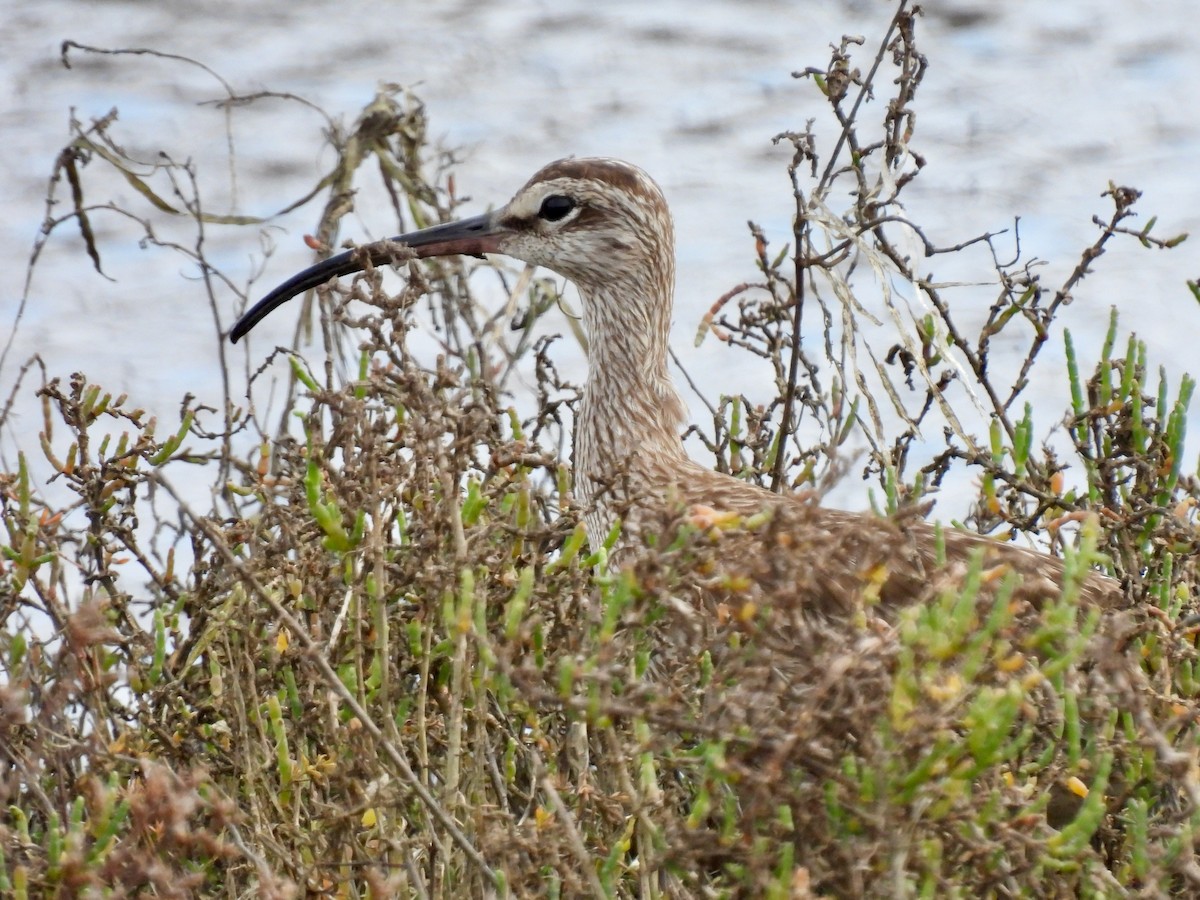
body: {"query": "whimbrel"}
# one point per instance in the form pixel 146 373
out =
pixel 605 225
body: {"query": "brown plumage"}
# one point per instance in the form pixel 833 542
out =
pixel 605 225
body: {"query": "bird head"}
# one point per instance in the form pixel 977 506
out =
pixel 593 221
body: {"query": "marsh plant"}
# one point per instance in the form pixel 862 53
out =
pixel 385 662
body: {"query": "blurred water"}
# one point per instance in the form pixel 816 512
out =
pixel 1028 109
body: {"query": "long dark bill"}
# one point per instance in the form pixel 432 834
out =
pixel 470 237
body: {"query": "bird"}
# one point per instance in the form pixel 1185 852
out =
pixel 605 225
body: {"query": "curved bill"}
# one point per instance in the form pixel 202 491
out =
pixel 472 237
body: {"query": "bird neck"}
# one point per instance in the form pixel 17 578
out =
pixel 627 438
pixel 629 387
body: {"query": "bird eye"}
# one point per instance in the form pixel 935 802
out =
pixel 555 208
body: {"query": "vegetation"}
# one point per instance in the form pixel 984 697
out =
pixel 385 663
